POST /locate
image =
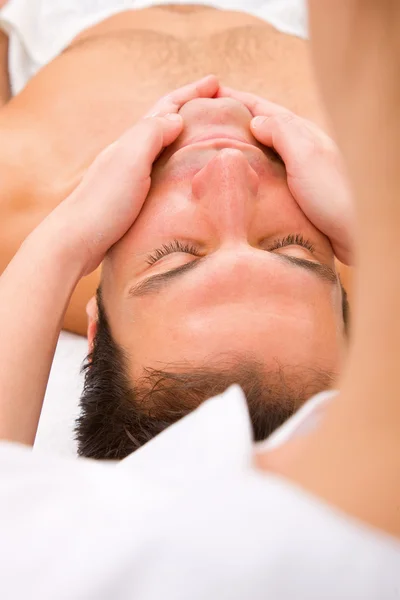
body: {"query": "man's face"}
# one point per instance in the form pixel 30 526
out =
pixel 221 260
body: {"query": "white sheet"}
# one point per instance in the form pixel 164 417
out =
pixel 187 517
pixel 60 409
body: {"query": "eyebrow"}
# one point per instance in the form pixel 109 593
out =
pixel 153 284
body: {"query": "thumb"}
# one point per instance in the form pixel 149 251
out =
pixel 280 132
pixel 291 137
pixel 261 129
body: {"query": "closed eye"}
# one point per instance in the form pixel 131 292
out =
pixel 293 239
pixel 171 248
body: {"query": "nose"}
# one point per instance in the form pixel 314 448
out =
pixel 227 186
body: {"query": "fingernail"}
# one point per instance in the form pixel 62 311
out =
pixel 173 117
pixel 258 121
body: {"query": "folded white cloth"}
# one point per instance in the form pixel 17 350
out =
pixel 187 516
pixel 40 30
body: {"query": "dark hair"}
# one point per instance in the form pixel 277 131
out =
pixel 117 417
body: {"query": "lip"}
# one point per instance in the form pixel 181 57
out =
pixel 217 141
pixel 215 136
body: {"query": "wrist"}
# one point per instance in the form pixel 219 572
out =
pixel 51 247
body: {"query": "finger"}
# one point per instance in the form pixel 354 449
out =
pixel 269 130
pixel 147 138
pixel 203 88
pixel 308 155
pixel 255 104
pixel 282 132
pixel 288 131
pixel 126 165
pixel 296 140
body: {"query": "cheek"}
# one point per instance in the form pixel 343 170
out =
pixel 168 213
pixel 162 207
pixel 277 203
pixel 167 194
pixel 179 170
pixel 165 217
pixel 279 211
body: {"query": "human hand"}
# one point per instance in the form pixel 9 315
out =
pixel 112 192
pixel 315 173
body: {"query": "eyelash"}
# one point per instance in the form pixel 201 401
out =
pixel 293 239
pixel 174 246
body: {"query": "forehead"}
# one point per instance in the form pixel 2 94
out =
pixel 200 328
pixel 230 303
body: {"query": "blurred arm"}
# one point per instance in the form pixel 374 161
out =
pixel 352 458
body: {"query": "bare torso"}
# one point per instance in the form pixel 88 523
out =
pixel 108 77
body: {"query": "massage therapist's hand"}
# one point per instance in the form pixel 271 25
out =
pixel 37 285
pixel 315 173
pixel 112 192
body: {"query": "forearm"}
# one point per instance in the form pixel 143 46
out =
pixel 72 242
pixel 15 227
pixel 351 457
pixel 34 293
pixel 373 163
pixel 373 363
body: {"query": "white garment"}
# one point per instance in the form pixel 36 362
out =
pixel 40 29
pixel 185 517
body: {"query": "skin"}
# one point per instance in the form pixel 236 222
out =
pixel 289 315
pixel 79 237
pixel 111 75
pixel 268 321
pixel 231 200
pixel 351 460
pixel 360 475
pixel 97 215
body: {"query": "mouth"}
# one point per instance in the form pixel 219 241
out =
pixel 218 140
pixel 216 143
pixel 216 136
